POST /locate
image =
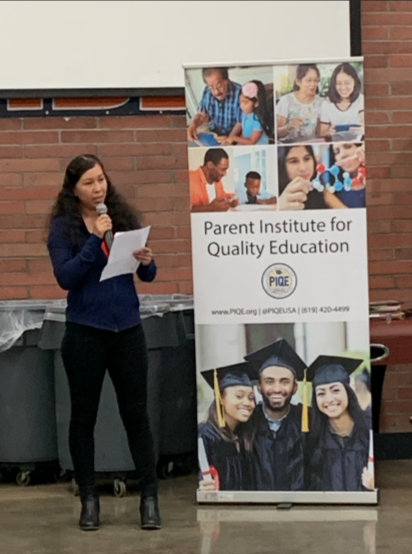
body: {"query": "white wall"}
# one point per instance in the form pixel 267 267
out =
pixel 143 44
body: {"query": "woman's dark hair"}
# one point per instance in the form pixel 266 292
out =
pixel 302 70
pixel 282 154
pixel 347 68
pixel 245 430
pixel 123 216
pixel 319 425
pixel 261 111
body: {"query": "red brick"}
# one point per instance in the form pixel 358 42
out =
pixel 40 265
pixel 186 287
pixel 159 162
pixel 401 89
pixel 36 236
pixel 165 260
pixel 23 250
pixel 152 177
pixel 80 122
pixel 387 47
pixel 11 152
pixel 21 278
pixel 180 150
pixel 373 34
pixel 401 171
pixel 183 233
pixel 404 198
pixel 44 179
pixel 97 136
pixel 57 150
pixel 403 424
pixel 24 193
pixel 402 145
pixel 175 246
pixel 374 6
pixel 386 19
pixel 378 226
pixel 46 292
pixel 158 233
pixel 390 185
pixel 404 282
pixel 402 226
pixel 390 267
pixel 382 158
pixel 12 265
pixel 152 149
pixel 11 207
pixel 380 254
pixel 376 61
pixel 14 293
pixel 377 146
pixel 184 260
pixel 11 236
pixel 135 122
pixel 386 422
pixel 156 204
pixel 179 121
pixel 387 75
pixel 385 241
pixel 376 117
pixel 373 89
pixel 27 137
pixel 403 253
pixel 157 288
pixel 172 190
pixel 23 221
pixel 181 176
pixel 12 165
pixel 402 117
pixel 400 6
pixel 10 179
pixel 398 406
pixel 175 274
pixel 378 172
pixel 393 103
pixel 168 218
pixel 379 199
pixel 123 164
pixel 378 282
pixel 165 135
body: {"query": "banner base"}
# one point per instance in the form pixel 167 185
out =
pixel 294 497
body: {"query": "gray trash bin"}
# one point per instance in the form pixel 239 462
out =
pixel 165 330
pixel 28 439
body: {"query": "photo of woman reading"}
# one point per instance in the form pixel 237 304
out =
pixel 298 112
pixel 226 433
pixel 342 114
pixel 339 435
pixel 256 124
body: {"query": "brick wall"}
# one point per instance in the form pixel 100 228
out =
pixel 144 155
pixel 387 47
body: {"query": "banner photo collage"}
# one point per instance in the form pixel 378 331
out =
pixel 277 191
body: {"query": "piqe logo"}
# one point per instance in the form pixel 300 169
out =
pixel 279 281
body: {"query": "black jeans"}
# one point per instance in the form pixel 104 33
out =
pixel 87 353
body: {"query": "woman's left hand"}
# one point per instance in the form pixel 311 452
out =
pixel 368 479
pixel 144 255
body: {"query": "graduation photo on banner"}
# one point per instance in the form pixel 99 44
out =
pixel 276 157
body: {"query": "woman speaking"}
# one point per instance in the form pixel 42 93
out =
pixel 103 329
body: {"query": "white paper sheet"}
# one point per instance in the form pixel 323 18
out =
pixel 121 258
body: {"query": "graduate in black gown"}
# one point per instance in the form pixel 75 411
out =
pixel 279 440
pixel 340 433
pixel 226 433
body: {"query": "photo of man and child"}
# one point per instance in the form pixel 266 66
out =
pixel 283 421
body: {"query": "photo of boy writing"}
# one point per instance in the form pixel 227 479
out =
pixel 252 193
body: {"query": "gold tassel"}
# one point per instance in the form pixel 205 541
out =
pixel 305 418
pixel 218 398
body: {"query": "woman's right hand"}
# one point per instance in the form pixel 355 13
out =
pixel 102 224
pixel 295 194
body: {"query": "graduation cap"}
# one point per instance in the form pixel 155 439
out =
pixel 281 354
pixel 221 378
pixel 332 369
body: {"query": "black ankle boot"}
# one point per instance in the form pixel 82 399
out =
pixel 89 517
pixel 149 513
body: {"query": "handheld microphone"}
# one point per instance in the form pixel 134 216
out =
pixel 101 209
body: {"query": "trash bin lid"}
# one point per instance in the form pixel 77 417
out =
pixel 17 317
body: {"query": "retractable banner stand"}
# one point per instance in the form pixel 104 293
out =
pixel 279 241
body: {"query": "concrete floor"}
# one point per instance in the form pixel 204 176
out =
pixel 42 519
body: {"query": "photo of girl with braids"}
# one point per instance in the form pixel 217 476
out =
pixel 256 124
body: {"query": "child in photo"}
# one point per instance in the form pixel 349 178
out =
pixel 251 194
pixel 256 125
pixel 342 111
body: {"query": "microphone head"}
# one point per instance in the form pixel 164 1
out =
pixel 101 208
